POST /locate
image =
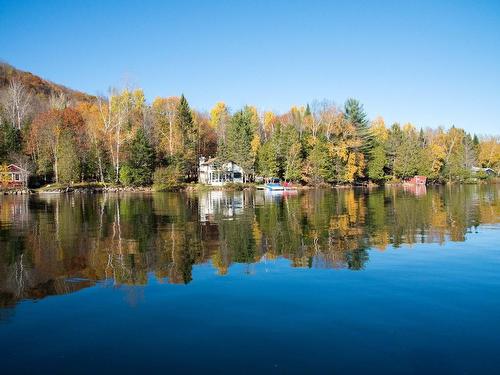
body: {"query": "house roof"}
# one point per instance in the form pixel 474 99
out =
pixel 477 169
pixel 16 168
pixel 209 161
pixel 214 160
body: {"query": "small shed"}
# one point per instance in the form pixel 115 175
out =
pixel 13 176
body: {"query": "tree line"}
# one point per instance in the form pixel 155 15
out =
pixel 122 139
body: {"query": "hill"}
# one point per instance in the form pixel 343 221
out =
pixel 39 87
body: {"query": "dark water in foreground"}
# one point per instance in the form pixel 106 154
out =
pixel 351 281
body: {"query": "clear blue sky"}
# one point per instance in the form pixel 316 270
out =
pixel 429 62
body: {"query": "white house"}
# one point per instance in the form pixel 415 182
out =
pixel 487 171
pixel 213 173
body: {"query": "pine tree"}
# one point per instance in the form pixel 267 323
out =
pixel 475 140
pixel 184 122
pixel 10 141
pixel 421 138
pixel 138 169
pixel 392 146
pixel 266 160
pixel 376 165
pixel 476 146
pixel 291 151
pixel 307 111
pixel 355 114
pixel 187 156
pixel 67 157
pixel 238 146
pixel 318 166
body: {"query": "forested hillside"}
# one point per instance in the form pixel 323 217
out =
pixel 66 136
pixel 39 87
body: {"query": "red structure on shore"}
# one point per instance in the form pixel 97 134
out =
pixel 13 176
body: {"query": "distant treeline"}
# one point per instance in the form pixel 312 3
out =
pixel 121 138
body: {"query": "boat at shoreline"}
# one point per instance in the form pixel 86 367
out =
pixel 276 185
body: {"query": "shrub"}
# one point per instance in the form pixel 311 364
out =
pixel 126 175
pixel 167 178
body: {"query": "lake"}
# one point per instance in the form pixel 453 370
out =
pixel 381 281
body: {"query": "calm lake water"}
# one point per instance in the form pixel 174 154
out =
pixel 387 281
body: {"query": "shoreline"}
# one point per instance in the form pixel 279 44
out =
pixel 191 188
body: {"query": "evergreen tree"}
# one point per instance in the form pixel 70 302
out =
pixel 291 151
pixel 68 162
pixel 408 152
pixel 459 154
pixel 421 138
pixel 376 164
pixel 318 166
pixel 475 140
pixel 392 146
pixel 266 160
pixel 138 169
pixel 187 155
pixel 293 164
pixel 355 114
pixel 10 141
pixel 407 158
pixel 307 111
pixel 238 146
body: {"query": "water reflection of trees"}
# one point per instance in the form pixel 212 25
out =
pixel 59 244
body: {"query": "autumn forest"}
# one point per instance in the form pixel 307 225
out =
pixel 63 136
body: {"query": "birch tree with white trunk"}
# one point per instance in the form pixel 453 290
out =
pixel 17 102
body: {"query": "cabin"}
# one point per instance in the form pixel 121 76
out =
pixel 212 172
pixel 13 176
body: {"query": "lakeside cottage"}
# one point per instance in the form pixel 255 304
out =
pixel 211 172
pixel 13 176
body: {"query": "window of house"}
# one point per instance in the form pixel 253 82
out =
pixel 16 177
pixel 237 175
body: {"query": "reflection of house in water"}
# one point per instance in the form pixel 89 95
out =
pixel 417 190
pixel 416 185
pixel 214 203
pixel 14 209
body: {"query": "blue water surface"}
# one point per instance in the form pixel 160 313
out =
pixel 421 308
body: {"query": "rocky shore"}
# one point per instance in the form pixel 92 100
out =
pixel 24 191
pixel 92 190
